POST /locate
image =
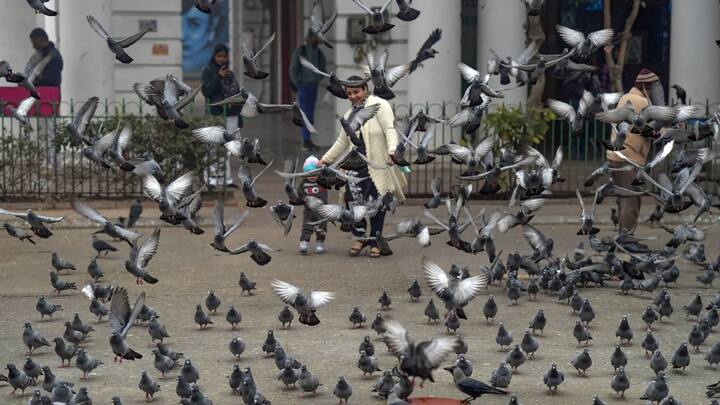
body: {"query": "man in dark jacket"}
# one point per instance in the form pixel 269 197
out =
pixel 306 82
pixel 51 76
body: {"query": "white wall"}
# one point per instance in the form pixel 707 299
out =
pixel 17 19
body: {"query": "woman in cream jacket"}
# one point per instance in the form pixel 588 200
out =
pixel 379 140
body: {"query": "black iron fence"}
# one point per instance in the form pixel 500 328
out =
pixel 582 154
pixel 45 163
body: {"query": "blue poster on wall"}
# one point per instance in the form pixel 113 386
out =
pixel 201 32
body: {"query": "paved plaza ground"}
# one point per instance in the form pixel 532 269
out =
pixel 188 267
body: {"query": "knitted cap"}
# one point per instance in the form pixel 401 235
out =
pixel 646 76
pixel 310 163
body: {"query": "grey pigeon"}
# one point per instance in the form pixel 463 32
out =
pixel 515 358
pixel 79 326
pixel 650 315
pixel 501 376
pixel 233 317
pixel 66 351
pixel 189 372
pixel 136 210
pixel 464 364
pixel 157 330
pixel 385 301
pixel 59 284
pixel 249 58
pixel 452 322
pixel 236 346
pixel 148 386
pixel 581 333
pixel 357 318
pixel 18 233
pixel 378 324
pixel 695 306
pixel 620 382
pixel 162 363
pixel 342 390
pixel 538 322
pixel 308 383
pixel 288 375
pixel 624 331
pixel 116 47
pixel 17 379
pixel 650 343
pixel 167 351
pixel 490 309
pixel 658 362
pixel 286 317
pixel 670 400
pixel 681 358
pixel 403 388
pixel 696 338
pixel 94 270
pixel 40 8
pixel 212 302
pixel 472 388
pixel 367 364
pixel 122 318
pixel 270 344
pixel 86 363
pixel 259 252
pixel 657 389
pixel 222 233
pixel 414 290
pixel 32 369
pixel 50 379
pixel 576 301
pixel 98 309
pixel 529 344
pixel 139 258
pixel 582 361
pixel 101 246
pixel 246 284
pixel 384 384
pixel 305 303
pixel 417 360
pixel 503 337
pixel 713 355
pixel 376 22
pixel 618 358
pixel 367 346
pixel 553 378
pixel 108 226
pixel 73 336
pixel 36 222
pixel 61 393
pixel 431 312
pixel 32 339
pixel 587 314
pixel 60 264
pixel 201 318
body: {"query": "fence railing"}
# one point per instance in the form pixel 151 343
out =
pixel 46 164
pixel 582 153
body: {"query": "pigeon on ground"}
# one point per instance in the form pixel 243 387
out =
pixel 149 386
pixel 233 317
pixel 32 369
pixel 122 318
pixel 308 383
pixel 503 338
pixel 650 344
pixel 342 390
pixel 305 304
pixel 582 361
pixel 515 358
pixel 201 318
pixel 60 285
pixel 618 358
pixel 385 301
pixel 250 60
pixel 236 346
pixel 657 389
pixel 86 363
pixel 246 284
pixel 46 308
pixel 431 312
pixel 116 47
pixel 357 318
pixel 501 376
pixel 66 351
pixel 620 382
pixel 553 378
pixel 32 339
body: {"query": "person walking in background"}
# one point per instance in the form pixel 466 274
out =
pixel 219 83
pixel 310 188
pixel 51 76
pixel 646 90
pixel 306 82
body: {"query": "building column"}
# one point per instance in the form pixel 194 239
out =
pixel 694 30
pixel 17 19
pixel 500 27
pixel 438 80
pixel 88 63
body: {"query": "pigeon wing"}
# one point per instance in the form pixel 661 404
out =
pixel 397 337
pixel 601 37
pixel 95 25
pixel 317 299
pixel 25 106
pixel 152 188
pixel 88 212
pixel 570 36
pixel 211 135
pixel 133 38
pixel 309 66
pixel 148 249
pixel 439 349
pixel 179 187
pixel 285 291
pixel 436 278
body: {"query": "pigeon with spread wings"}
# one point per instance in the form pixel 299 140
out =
pixel 116 47
pixel 27 78
pixel 139 258
pixel 36 222
pixel 250 60
pixel 319 26
pixel 584 46
pixel 383 78
pixel 258 252
pixel 253 107
pixel 222 233
pixel 417 359
pixel 426 50
pixel 337 85
pixel 248 186
pixel 377 18
pixel 306 304
pixel 122 318
pixel 455 293
pixel 169 197
pixel 21 112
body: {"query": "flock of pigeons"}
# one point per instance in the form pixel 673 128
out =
pixel 641 269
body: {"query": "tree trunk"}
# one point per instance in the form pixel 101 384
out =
pixel 534 32
pixel 616 67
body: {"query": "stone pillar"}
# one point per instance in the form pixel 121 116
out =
pixel 438 80
pixel 88 63
pixel 500 27
pixel 17 19
pixel 694 57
